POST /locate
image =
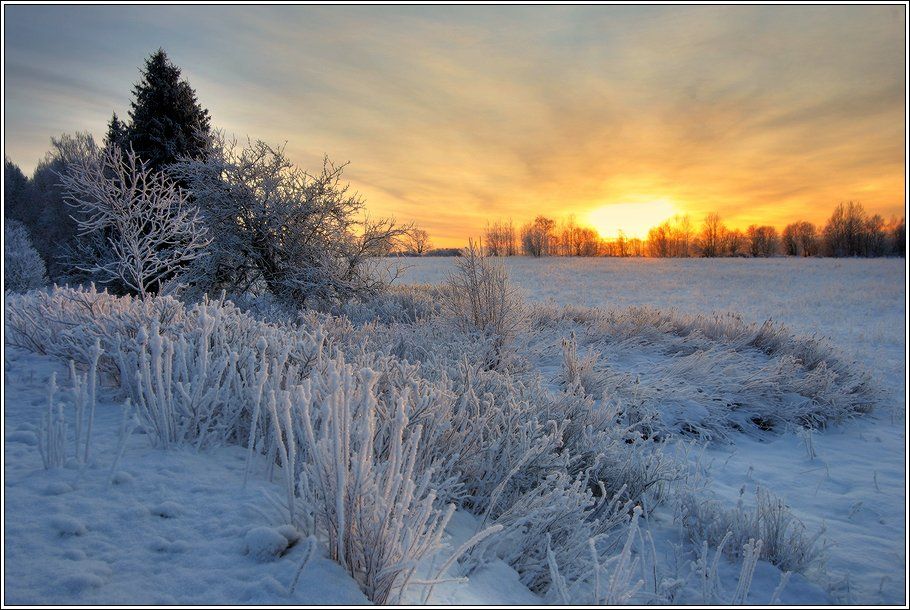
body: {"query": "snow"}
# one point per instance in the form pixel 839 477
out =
pixel 180 526
pixel 168 527
pixel 855 487
pixel 858 303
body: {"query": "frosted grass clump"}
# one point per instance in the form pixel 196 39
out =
pixel 785 541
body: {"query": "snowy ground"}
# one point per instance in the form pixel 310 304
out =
pixel 175 527
pixel 165 527
pixel 855 486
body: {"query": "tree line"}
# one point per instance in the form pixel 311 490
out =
pixel 850 231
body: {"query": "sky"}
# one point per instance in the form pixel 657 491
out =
pixel 452 116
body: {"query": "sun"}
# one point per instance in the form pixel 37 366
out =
pixel 633 217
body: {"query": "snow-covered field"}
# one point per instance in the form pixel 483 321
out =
pixel 859 303
pixel 180 526
pixel 856 485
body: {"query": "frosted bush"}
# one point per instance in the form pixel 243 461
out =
pixel 705 570
pixel 66 322
pixel 402 304
pixel 705 376
pixel 785 541
pixel 375 506
pixel 479 297
pixel 23 267
pixel 610 582
pixel 580 374
pixel 556 520
pixel 377 428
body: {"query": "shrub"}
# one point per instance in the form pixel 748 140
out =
pixel 23 267
pixel 361 481
pixel 706 375
pixel 297 233
pixel 785 542
pixel 144 230
pixel 480 298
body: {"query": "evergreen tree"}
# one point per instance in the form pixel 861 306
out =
pixel 166 120
pixel 116 132
pixel 16 202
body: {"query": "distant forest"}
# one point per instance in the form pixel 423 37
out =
pixel 849 232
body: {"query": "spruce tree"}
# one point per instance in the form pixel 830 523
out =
pixel 166 120
pixel 16 204
pixel 116 132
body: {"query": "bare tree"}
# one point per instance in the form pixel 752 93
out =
pixel 417 241
pixel 298 233
pixel 875 236
pixel 588 242
pixel 499 238
pixel 713 232
pixel 897 234
pixel 671 238
pixel 735 243
pixel 620 246
pixel 763 240
pixel 659 241
pixel 800 239
pixel 683 235
pixel 843 234
pixel 537 237
pixel 577 240
pixel 142 216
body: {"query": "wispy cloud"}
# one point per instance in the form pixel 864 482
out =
pixel 452 115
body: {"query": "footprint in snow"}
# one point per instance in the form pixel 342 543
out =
pixel 75 555
pixel 25 437
pixel 68 526
pixel 78 582
pixel 57 488
pixel 85 575
pixel 162 545
pixel 122 478
pixel 168 510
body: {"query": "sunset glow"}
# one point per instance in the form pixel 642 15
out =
pixel 454 116
pixel 632 219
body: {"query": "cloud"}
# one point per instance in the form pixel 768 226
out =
pixel 454 115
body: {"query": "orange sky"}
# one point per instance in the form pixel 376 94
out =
pixel 620 115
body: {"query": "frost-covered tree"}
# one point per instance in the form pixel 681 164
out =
pixel 297 233
pixel 149 231
pixel 22 265
pixel 50 222
pixel 166 120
